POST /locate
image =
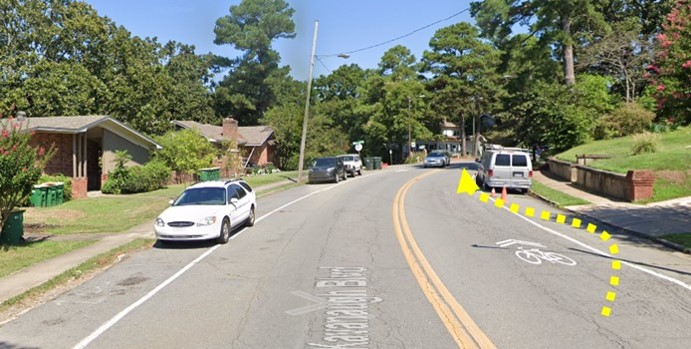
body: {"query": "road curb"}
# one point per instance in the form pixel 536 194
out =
pixel 666 243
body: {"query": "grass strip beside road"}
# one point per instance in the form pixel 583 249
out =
pixel 15 258
pixel 69 279
pixel 277 189
pixel 683 239
pixel 558 198
pixel 257 181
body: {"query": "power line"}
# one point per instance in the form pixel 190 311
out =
pixel 399 37
pixel 324 65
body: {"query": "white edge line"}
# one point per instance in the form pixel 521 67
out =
pixel 110 323
pixel 84 342
pixel 645 270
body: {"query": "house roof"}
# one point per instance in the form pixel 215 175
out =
pixel 255 135
pixel 447 124
pixel 82 123
pixel 250 136
pixel 211 132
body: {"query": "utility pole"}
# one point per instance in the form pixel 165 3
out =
pixel 307 104
pixel 410 147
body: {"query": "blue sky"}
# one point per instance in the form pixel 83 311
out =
pixel 344 26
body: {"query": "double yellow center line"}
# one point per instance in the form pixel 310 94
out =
pixel 457 321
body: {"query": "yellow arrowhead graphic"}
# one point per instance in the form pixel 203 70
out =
pixel 467 184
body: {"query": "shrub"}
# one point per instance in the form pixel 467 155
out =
pixel 152 176
pixel 626 120
pixel 59 178
pixel 21 165
pixel 110 187
pixel 120 175
pixel 645 143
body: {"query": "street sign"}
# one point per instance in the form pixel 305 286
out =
pixel 358 147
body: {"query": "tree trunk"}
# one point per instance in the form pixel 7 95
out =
pixel 628 87
pixel 569 73
pixel 463 145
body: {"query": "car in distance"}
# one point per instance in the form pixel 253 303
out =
pixel 207 210
pixel 328 169
pixel 436 159
pixel 352 163
pixel 505 167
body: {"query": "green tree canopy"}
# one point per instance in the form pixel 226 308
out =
pixel 251 27
pixel 464 79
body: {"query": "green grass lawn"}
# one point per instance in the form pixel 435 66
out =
pixel 671 163
pixel 105 214
pixel 14 258
pixel 555 196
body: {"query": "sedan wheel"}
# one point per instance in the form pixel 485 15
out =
pixel 336 177
pixel 225 232
pixel 251 218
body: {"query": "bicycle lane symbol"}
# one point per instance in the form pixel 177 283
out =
pixel 534 255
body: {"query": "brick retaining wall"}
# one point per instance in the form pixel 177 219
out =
pixel 634 186
pixel 562 169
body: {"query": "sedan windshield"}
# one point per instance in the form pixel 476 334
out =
pixel 435 155
pixel 201 196
pixel 325 162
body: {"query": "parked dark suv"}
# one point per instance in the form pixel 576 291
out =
pixel 329 169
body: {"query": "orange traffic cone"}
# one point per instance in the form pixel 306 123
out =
pixel 503 194
pixel 493 193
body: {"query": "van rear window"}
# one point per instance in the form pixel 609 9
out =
pixel 520 160
pixel 503 160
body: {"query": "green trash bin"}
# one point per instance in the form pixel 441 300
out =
pixel 369 163
pixel 59 193
pixel 52 197
pixel 376 162
pixel 210 174
pixel 38 196
pixel 13 230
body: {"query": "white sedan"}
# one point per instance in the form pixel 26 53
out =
pixel 208 210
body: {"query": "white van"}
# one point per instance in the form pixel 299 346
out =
pixel 505 167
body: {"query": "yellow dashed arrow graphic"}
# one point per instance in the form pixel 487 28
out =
pixel 467 185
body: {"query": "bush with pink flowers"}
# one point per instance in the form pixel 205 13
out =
pixel 670 74
pixel 21 165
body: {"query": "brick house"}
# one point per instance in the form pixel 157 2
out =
pixel 85 147
pixel 255 143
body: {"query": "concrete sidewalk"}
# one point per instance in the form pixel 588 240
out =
pixel 35 275
pixel 652 220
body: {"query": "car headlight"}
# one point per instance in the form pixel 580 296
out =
pixel 207 221
pixel 331 169
pixel 160 222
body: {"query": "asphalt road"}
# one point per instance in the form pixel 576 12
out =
pixel 392 259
